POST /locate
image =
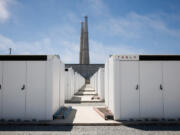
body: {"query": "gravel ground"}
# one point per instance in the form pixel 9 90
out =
pixel 91 130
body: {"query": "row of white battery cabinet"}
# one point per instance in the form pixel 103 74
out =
pixel 94 81
pixel 31 86
pixel 74 82
pixel 97 82
pixel 79 82
pixel 147 88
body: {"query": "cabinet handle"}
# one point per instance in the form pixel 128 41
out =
pixel 137 87
pixel 161 87
pixel 0 87
pixel 23 87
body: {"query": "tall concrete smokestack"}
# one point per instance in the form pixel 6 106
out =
pixel 81 43
pixel 85 53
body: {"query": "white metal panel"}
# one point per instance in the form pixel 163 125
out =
pixel 101 83
pixel 66 85
pixel 129 90
pixel 62 84
pixel 107 84
pixel 171 80
pixel 111 84
pixel 151 99
pixel 35 93
pixel 49 89
pixel 97 90
pixel 115 88
pixel 14 77
pixel 56 84
pixel 1 89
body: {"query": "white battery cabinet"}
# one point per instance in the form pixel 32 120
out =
pixel 171 89
pixel 96 83
pixel 1 96
pixel 14 82
pixel 144 86
pixel 70 83
pixel 30 86
pixel 62 84
pixel 53 89
pixel 67 88
pixel 129 86
pixel 151 95
pixel 106 81
pixel 114 87
pixel 73 82
pixel 101 83
pixel 36 85
pixel 79 81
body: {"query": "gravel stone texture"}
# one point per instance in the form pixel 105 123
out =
pixel 91 130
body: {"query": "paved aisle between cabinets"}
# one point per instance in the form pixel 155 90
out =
pixel 84 115
pixel 82 111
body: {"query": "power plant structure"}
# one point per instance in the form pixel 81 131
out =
pixel 84 43
pixel 84 67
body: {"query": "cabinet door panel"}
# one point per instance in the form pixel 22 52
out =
pixel 129 94
pixel 171 80
pixel 1 90
pixel 151 96
pixel 14 77
pixel 35 95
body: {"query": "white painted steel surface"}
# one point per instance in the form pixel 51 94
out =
pixel 53 86
pixel 97 81
pixel 66 87
pixel 129 74
pixel 158 92
pixel 56 84
pixel 114 96
pixel 106 77
pixel 31 89
pixel 1 96
pixel 73 82
pixel 62 84
pixel 171 88
pixel 101 83
pixel 14 77
pixel 151 96
pixel 35 91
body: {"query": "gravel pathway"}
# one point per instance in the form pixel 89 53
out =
pixel 91 130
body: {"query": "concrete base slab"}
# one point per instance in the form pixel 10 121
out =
pixel 80 115
pixel 104 113
pixel 84 115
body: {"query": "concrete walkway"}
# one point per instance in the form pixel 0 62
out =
pixel 82 108
pixel 84 115
pixel 85 95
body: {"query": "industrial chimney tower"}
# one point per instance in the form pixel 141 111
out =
pixel 84 43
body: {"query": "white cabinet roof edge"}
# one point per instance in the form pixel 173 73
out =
pixel 136 57
pixel 27 57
